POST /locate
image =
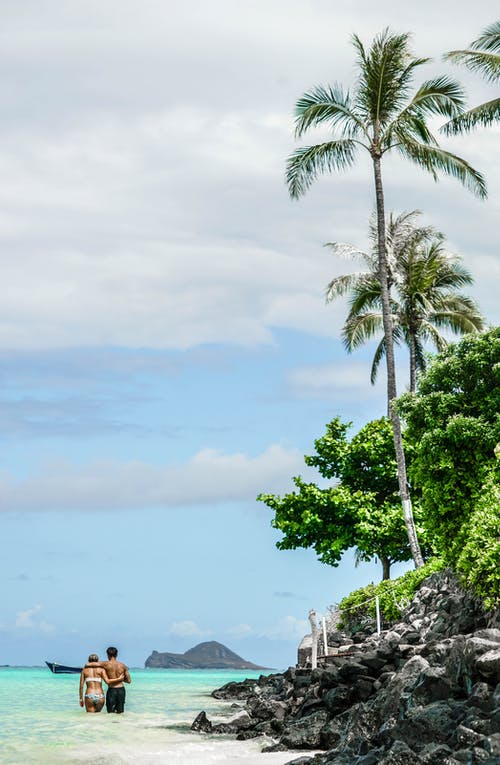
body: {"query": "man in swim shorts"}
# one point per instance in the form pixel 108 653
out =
pixel 115 695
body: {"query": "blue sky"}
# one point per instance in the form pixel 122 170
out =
pixel 165 350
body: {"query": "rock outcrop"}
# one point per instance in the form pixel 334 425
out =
pixel 209 655
pixel 426 692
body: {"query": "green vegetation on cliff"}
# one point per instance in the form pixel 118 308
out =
pixel 453 431
pixel 358 607
pixel 453 425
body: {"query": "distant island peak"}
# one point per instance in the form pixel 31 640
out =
pixel 207 655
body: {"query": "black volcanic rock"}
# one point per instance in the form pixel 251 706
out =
pixel 209 655
pixel 424 692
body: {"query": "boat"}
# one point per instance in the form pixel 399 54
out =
pixel 62 669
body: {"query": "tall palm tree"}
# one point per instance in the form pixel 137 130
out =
pixel 380 117
pixel 483 56
pixel 424 278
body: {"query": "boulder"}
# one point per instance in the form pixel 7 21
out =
pixel 306 732
pixel 234 690
pixel 433 723
pixel 400 754
pixel 202 724
pixel 489 665
pixel 340 698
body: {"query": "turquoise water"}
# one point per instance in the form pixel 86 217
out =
pixel 42 722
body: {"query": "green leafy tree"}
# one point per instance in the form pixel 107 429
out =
pixel 483 56
pixel 453 424
pixel 381 116
pixel 361 511
pixel 423 280
pixel 478 556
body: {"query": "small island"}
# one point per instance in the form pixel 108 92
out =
pixel 208 655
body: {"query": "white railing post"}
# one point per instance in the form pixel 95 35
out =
pixel 314 635
pixel 325 644
pixel 377 608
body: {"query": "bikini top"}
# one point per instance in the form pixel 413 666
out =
pixel 94 680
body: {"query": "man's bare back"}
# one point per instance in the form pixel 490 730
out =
pixel 116 668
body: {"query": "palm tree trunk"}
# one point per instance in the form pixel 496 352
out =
pixel 391 369
pixel 413 361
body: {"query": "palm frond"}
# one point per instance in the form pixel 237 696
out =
pixel 345 250
pixel 360 328
pixel 403 236
pixel 377 358
pixel 340 285
pixel 407 74
pixel 483 115
pixel 441 95
pixel 482 57
pixel 384 78
pixel 434 159
pixel 485 63
pixel 425 277
pixel 410 126
pixel 489 38
pixel 402 225
pixel 380 353
pixel 360 50
pixel 461 316
pixel 429 332
pixel 448 271
pixel 365 295
pixel 326 104
pixel 306 163
pixel 419 355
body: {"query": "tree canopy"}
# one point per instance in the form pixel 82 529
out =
pixel 362 510
pixel 453 424
pixel 424 281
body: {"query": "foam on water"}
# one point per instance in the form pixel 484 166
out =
pixel 42 722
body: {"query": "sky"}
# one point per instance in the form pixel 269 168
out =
pixel 166 353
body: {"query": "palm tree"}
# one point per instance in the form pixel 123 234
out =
pixel 379 117
pixel 483 56
pixel 425 279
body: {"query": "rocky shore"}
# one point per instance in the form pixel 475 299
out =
pixel 424 692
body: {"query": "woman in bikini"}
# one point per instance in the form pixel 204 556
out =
pixel 93 677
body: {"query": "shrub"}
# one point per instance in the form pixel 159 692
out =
pixel 478 562
pixel 358 609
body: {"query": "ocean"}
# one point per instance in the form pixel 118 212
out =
pixel 42 722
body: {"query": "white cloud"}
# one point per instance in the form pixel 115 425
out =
pixel 240 630
pixel 28 620
pixel 209 477
pixel 288 628
pixel 345 380
pixel 25 618
pixel 146 206
pixel 342 379
pixel 187 628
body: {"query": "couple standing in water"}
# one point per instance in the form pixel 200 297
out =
pixel 114 673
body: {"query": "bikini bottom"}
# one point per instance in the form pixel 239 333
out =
pixel 95 698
